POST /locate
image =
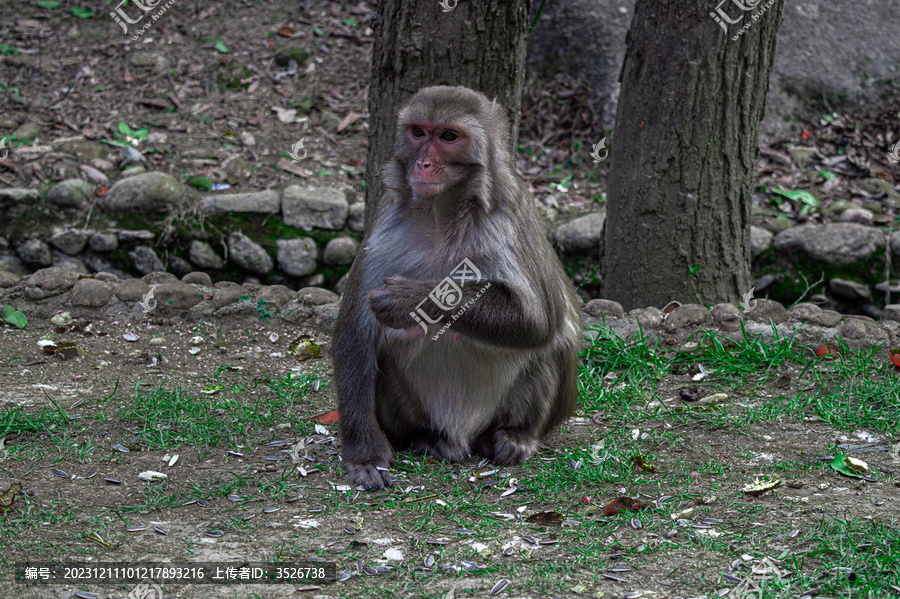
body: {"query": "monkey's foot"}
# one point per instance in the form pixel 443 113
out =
pixel 506 446
pixel 371 476
pixel 438 448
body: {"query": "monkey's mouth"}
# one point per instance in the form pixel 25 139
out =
pixel 427 187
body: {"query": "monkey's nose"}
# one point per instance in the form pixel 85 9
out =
pixel 421 164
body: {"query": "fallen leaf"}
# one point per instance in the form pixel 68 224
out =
pixel 621 503
pixel 329 417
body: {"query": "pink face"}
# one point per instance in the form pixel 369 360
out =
pixel 435 148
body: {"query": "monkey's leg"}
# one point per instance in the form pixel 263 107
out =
pixel 434 445
pixel 506 446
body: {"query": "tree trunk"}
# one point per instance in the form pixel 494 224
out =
pixel 478 44
pixel 684 151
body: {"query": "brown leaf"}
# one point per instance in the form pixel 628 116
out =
pixel 621 503
pixel 546 518
pixel 287 31
pixel 329 417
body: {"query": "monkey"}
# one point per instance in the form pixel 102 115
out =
pixel 458 329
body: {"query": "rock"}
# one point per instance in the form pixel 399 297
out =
pixel 862 330
pixel 313 280
pixel 224 296
pixel 858 215
pixel 27 131
pixel 11 263
pixel 890 312
pixel 804 312
pixel 204 256
pixel 107 277
pixel 838 207
pixel 237 169
pixel 132 290
pixel 87 151
pixel 340 251
pixel 357 217
pixel 127 238
pixel 16 195
pixel 145 260
pixel 726 316
pixel 316 296
pixel 600 308
pixel 98 265
pixel 849 290
pixel 692 316
pixel 649 318
pixel 177 295
pixel 895 243
pixel 766 311
pixel 874 185
pixel 886 286
pixel 179 266
pixel 35 252
pixel 52 280
pixel 777 225
pixel 803 156
pixel 91 293
pixel 103 242
pixel 275 296
pixel 760 241
pixel 836 243
pixel 94 175
pixel 152 191
pixel 159 277
pixel 342 282
pixel 197 278
pixel 314 207
pixel 827 319
pixel 71 193
pixel 265 202
pixel 298 54
pixel 71 242
pixel 297 257
pixel 764 282
pixel 582 235
pixel 248 254
pixel 8 279
pixel 71 264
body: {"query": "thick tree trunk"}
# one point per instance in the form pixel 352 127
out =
pixel 479 44
pixel 684 149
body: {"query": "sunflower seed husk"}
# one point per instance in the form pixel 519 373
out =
pixel 467 565
pixel 276 443
pixel 345 575
pixel 659 502
pixel 349 530
pixel 618 569
pixel 501 584
pixel 635 523
pixel 437 541
pixel 113 481
pixel 316 510
pixel 509 491
pixel 382 569
pixel 370 570
pixel 76 404
pixel 161 531
pixel 633 595
pixel 429 561
pixel 202 502
pixel 548 541
pixel 330 542
pixel 712 521
pixel 271 509
pixel 91 474
pixel 214 533
pixel 614 577
pixel 731 578
pixel 135 528
pixel 60 473
pixel 86 595
pixel 273 458
pixel 736 564
pixel 120 448
pixel 465 531
pixel 246 517
pixel 235 454
pixel 794 533
pixel 509 551
pixel 235 498
pixel 529 539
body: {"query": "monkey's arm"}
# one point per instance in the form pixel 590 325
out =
pixel 365 447
pixel 491 311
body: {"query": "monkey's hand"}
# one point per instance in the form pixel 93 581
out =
pixel 394 303
pixel 370 471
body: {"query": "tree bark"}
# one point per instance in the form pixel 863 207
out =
pixel 684 151
pixel 478 44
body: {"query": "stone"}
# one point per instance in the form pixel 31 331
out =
pixel 342 282
pixel 777 225
pixel 204 256
pixel 87 151
pixel 237 169
pixel 314 207
pixel 144 260
pixel 275 295
pixel 94 175
pixel 177 295
pixel 263 202
pixel 862 329
pixel 849 290
pixel 600 308
pixel 340 251
pixel 803 156
pixel 132 290
pixel 804 312
pixel 159 277
pixel 35 252
pixel 153 191
pixel 197 278
pixel 103 242
pixel 27 131
pixel 649 318
pixel 53 280
pixel 692 316
pixel 838 207
pixel 874 185
pixel 107 277
pixel 248 254
pixel 766 311
pixel 313 280
pixel 890 312
pixel 297 257
pixel 834 243
pixel 827 319
pixel 71 193
pixel 71 264
pixel 582 235
pixel 179 266
pixel 8 279
pixel 98 264
pixel 356 218
pixel 16 195
pixel 760 241
pixel 91 293
pixel 858 215
pixel 11 263
pixel 71 242
pixel 726 316
pixel 127 238
pixel 316 296
pixel 224 296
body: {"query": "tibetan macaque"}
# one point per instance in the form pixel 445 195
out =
pixel 458 329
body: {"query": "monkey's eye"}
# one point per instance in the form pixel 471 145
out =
pixel 449 136
pixel 417 131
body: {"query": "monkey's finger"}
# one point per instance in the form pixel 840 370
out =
pixel 369 476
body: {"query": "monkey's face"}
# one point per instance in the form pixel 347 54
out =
pixel 437 159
